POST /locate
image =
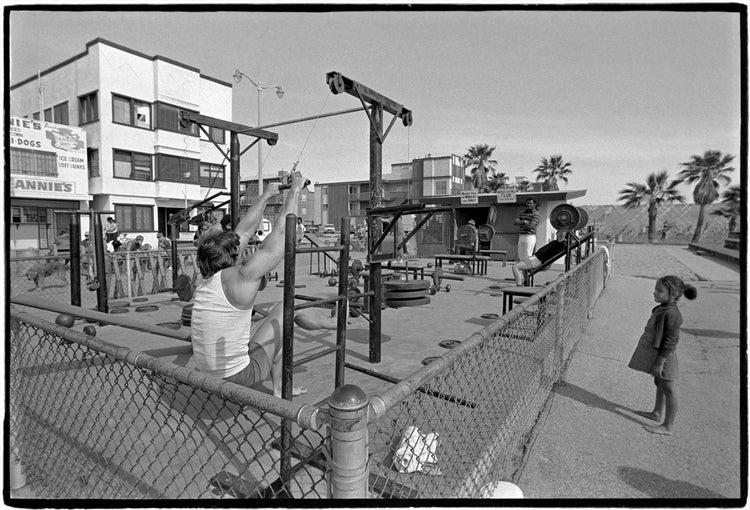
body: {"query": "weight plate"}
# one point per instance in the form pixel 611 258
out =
pixel 397 303
pixel 583 220
pixel 119 310
pixel 403 286
pixel 486 233
pixel 449 344
pixel 140 299
pixel 492 316
pixel 564 217
pixel 430 359
pixel 170 325
pixel 412 294
pixel 497 287
pixel 147 308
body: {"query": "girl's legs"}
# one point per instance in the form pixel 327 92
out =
pixel 659 404
pixel 669 392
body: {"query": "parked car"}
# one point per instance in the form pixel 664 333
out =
pixel 329 229
pixel 265 228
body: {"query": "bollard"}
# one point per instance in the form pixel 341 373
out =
pixel 349 450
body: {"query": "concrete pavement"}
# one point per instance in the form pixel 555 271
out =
pixel 590 444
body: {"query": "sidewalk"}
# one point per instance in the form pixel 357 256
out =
pixel 590 444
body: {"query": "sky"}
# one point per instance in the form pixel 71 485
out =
pixel 619 94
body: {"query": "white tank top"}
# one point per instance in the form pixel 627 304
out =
pixel 220 332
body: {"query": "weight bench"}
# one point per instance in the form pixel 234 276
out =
pixel 501 253
pixel 478 263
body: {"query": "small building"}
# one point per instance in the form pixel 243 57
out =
pixel 439 233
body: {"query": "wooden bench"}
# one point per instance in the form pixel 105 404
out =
pixel 502 253
pixel 478 263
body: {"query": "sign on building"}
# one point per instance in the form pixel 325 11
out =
pixel 470 197
pixel 506 196
pixel 47 160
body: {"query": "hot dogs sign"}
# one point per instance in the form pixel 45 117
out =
pixel 47 159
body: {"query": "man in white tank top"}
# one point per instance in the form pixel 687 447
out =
pixel 223 306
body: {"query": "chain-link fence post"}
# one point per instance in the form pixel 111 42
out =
pixel 349 450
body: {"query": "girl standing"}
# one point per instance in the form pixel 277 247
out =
pixel 655 353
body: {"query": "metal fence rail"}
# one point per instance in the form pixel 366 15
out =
pixel 91 420
pixel 463 422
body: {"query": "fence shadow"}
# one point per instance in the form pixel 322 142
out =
pixel 657 486
pixel 587 398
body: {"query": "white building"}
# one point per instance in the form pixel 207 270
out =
pixel 142 162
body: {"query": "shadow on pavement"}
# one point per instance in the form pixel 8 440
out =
pixel 587 398
pixel 711 333
pixel 657 486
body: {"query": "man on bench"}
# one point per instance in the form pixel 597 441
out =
pixel 543 255
pixel 225 342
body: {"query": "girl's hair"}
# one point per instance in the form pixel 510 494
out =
pixel 217 252
pixel 677 288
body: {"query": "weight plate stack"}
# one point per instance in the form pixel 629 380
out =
pixel 397 293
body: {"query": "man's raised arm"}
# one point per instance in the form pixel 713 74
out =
pixel 248 224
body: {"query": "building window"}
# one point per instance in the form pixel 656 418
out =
pixel 176 169
pixel 212 176
pixel 441 187
pixel 134 218
pixel 28 162
pixel 57 114
pixel 28 215
pixel 217 135
pixel 168 117
pixel 35 115
pixel 132 165
pixel 88 108
pixel 131 112
pixel 92 158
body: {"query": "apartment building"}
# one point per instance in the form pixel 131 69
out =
pixel 141 161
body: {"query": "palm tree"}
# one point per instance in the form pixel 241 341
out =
pixel 498 180
pixel 552 170
pixel 657 191
pixel 708 171
pixel 730 205
pixel 478 160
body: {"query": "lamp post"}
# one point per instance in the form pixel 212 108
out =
pixel 238 75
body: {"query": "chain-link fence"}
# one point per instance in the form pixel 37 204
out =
pixel 463 422
pixel 128 274
pixel 90 420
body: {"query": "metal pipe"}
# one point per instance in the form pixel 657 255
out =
pixel 312 117
pixel 102 297
pixel 343 293
pixel 376 200
pixel 349 451
pixel 234 178
pixel 75 259
pixel 287 354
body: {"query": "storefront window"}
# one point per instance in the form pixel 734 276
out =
pixel 28 162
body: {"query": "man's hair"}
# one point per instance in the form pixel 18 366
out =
pixel 217 252
pixel 110 218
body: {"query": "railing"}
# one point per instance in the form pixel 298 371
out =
pixel 90 420
pixel 93 420
pixel 128 274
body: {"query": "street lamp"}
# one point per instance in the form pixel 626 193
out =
pixel 260 87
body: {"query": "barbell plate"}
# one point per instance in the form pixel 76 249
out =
pixel 583 220
pixel 412 294
pixel 486 233
pixel 564 217
pixel 401 285
pixel 398 303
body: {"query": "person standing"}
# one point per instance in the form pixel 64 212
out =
pixel 527 221
pixel 300 234
pixel 655 352
pixel 110 230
